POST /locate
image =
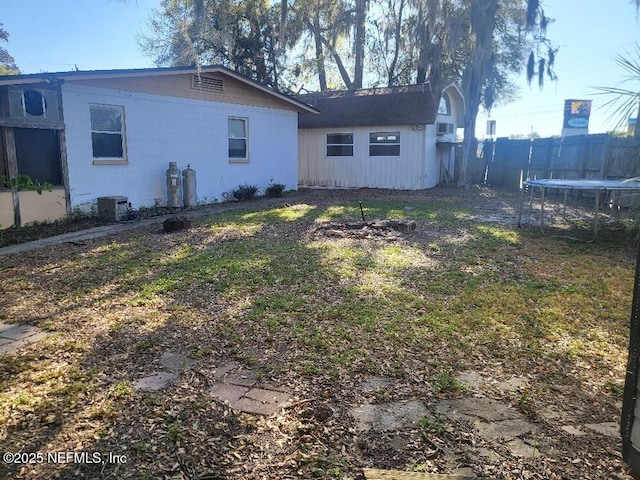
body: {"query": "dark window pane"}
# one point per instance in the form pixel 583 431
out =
pixel 378 150
pixel 34 103
pixel 38 154
pixel 339 150
pixel 237 148
pixel 107 145
pixel 340 138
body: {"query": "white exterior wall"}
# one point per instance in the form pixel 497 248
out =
pixel 162 129
pixel 431 161
pixel 405 172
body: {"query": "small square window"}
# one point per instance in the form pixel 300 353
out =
pixel 107 133
pixel 340 145
pixel 384 144
pixel 238 150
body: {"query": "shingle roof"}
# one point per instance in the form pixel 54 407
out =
pixel 406 105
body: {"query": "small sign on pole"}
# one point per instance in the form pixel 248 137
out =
pixel 491 127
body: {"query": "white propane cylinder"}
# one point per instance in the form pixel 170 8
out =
pixel 174 186
pixel 189 187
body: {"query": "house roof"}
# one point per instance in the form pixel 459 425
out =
pixel 147 72
pixel 406 105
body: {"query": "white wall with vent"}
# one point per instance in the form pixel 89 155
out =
pixel 161 129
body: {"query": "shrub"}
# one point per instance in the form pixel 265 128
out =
pixel 274 190
pixel 245 192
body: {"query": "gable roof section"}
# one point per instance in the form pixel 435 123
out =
pixel 151 72
pixel 406 105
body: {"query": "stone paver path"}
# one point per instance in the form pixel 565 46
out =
pixel 240 389
pixel 173 363
pixel 14 336
pixel 232 384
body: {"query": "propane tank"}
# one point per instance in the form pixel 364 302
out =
pixel 189 187
pixel 174 184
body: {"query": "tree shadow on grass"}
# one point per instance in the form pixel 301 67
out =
pixel 312 313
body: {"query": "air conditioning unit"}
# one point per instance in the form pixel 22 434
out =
pixel 113 209
pixel 33 103
pixel 445 128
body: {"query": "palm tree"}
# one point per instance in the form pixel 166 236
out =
pixel 626 101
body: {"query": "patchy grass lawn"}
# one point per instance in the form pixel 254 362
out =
pixel 315 313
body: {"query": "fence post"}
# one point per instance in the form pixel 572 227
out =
pixel 604 168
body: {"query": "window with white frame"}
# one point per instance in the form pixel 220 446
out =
pixel 238 149
pixel 108 133
pixel 339 144
pixel 384 144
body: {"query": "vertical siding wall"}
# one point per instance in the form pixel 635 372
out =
pixel 406 172
pixel 162 129
pixel 431 161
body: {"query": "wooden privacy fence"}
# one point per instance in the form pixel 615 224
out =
pixel 584 156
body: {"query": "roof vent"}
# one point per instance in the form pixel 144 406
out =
pixel 206 84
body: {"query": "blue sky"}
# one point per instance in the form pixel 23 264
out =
pixel 47 35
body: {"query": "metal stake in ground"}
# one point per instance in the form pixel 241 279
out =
pixel 362 212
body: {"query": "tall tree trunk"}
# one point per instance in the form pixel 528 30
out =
pixel 421 34
pixel 341 68
pixel 397 33
pixel 360 38
pixel 317 38
pixel 483 21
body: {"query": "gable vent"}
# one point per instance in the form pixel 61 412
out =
pixel 206 84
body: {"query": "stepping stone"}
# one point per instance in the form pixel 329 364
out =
pixel 505 429
pixel 376 383
pixel 222 370
pixel 513 384
pixel 154 382
pixel 15 336
pixel 494 422
pixel 261 402
pixel 244 378
pixel 175 362
pixel 471 380
pixel 227 393
pixel 18 332
pixel 520 448
pixel 388 416
pixel 254 400
pixel 610 429
pixel 484 408
pixel 571 430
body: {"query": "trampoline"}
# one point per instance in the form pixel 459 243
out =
pixel 599 186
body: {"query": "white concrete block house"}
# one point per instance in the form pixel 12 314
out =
pixel 380 137
pixel 113 133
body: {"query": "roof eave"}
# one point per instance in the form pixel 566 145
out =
pixel 145 72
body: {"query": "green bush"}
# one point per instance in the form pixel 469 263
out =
pixel 274 190
pixel 245 192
